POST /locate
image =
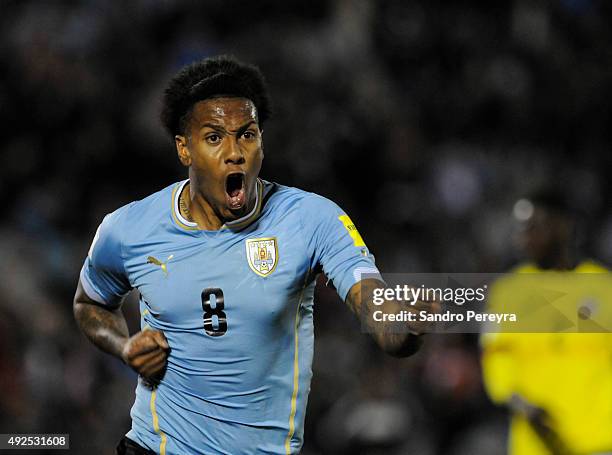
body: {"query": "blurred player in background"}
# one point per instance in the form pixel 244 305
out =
pixel 557 386
pixel 225 264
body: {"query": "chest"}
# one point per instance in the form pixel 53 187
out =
pixel 242 280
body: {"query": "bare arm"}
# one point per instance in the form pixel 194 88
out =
pixel 397 343
pixel 541 422
pixel 105 327
pixel 146 351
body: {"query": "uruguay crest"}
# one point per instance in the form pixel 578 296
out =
pixel 262 255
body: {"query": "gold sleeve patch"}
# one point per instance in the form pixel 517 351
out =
pixel 352 230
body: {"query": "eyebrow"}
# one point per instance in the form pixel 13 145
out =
pixel 221 129
pixel 213 126
pixel 244 127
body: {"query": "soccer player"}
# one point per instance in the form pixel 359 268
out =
pixel 557 386
pixel 225 264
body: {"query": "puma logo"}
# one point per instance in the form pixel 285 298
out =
pixel 163 265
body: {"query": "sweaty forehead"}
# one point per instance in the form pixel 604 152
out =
pixel 226 111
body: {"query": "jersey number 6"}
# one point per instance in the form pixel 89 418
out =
pixel 209 312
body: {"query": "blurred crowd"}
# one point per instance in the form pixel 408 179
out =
pixel 424 120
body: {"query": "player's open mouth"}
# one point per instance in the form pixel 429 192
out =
pixel 234 187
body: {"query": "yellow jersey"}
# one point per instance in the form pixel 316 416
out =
pixel 567 374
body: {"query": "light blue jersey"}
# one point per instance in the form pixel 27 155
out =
pixel 236 307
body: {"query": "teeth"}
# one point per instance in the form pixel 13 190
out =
pixel 234 187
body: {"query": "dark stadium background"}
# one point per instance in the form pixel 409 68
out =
pixel 424 120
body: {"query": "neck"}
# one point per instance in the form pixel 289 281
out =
pixel 195 207
pixel 562 259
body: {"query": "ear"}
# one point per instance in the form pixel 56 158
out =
pixel 182 150
pixel 262 146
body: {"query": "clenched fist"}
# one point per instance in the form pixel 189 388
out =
pixel 147 353
pixel 423 324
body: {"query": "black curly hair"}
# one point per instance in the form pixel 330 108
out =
pixel 207 78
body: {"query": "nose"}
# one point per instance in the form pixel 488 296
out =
pixel 234 153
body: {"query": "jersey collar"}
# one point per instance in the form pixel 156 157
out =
pixel 240 223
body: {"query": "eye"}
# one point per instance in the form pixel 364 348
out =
pixel 248 135
pixel 213 138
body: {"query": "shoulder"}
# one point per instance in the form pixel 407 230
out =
pixel 310 210
pixel 527 267
pixel 585 266
pixel 591 266
pixel 508 281
pixel 158 202
pixel 140 214
pixel 277 195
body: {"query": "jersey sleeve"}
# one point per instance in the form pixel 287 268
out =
pixel 498 359
pixel 498 366
pixel 335 244
pixel 103 275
